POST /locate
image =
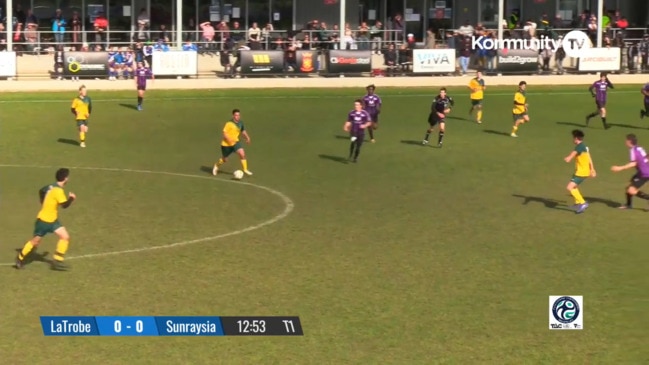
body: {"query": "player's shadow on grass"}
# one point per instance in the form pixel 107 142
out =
pixel 548 203
pixel 607 202
pixel 333 158
pixel 498 133
pixel 35 256
pixel 573 124
pixel 625 126
pixel 128 106
pixel 458 118
pixel 341 137
pixel 68 141
pixel 208 170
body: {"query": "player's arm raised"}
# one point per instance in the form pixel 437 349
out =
pixel 570 157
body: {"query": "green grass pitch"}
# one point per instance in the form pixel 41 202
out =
pixel 415 255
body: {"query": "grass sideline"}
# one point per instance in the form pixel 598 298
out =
pixel 415 255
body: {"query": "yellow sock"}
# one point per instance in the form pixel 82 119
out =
pixel 577 195
pixel 82 136
pixel 479 115
pixel 26 250
pixel 220 162
pixel 244 164
pixel 61 249
pixel 514 129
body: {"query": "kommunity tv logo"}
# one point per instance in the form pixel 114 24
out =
pixel 574 43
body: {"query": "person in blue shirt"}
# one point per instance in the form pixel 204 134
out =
pixel 189 46
pixel 58 26
pixel 161 46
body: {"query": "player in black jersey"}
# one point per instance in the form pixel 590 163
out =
pixel 438 110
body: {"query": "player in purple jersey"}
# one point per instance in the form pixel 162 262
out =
pixel 638 159
pixel 372 104
pixel 645 93
pixel 599 89
pixel 358 120
pixel 141 75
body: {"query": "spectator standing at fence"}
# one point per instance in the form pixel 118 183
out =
pixel 334 39
pixel 75 28
pixel 223 35
pixel 348 39
pixel 466 29
pixel 3 38
pixel 465 54
pixel 237 34
pixel 632 57
pixel 559 56
pixel 144 24
pixel 18 38
pixel 430 39
pixel 644 53
pixel 267 35
pixel 101 26
pixel 31 36
pixel 208 35
pixel 58 62
pixel 376 32
pixel 514 18
pixel 592 29
pixel 58 26
pixel 254 37
pixel 290 60
pixel 363 36
pixel 398 27
pixel 390 58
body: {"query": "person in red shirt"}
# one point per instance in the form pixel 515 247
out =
pixel 101 26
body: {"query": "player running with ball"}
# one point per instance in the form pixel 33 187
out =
pixel 230 144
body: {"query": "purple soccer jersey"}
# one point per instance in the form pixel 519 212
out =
pixel 357 119
pixel 141 75
pixel 372 104
pixel 646 89
pixel 600 88
pixel 639 156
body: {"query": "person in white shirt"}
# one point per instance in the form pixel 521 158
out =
pixel 466 29
pixel 254 36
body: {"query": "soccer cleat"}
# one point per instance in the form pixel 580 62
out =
pixel 479 122
pixel 58 266
pixel 247 172
pixel 607 127
pixel 425 142
pixel 439 145
pixel 582 208
pixel 19 263
pixel 624 207
pixel 82 144
pixel 139 108
pixel 215 170
pixel 373 140
pixel 513 135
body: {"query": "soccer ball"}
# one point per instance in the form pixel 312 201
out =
pixel 238 174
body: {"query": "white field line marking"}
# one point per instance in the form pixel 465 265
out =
pixel 288 208
pixel 252 97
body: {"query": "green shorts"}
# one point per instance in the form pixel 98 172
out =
pixel 578 179
pixel 518 117
pixel 476 102
pixel 82 122
pixel 228 150
pixel 42 228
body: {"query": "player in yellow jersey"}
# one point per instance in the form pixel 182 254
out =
pixel 477 87
pixel 520 108
pixel 47 221
pixel 81 108
pixel 230 143
pixel 584 169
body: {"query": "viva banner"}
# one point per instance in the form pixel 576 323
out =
pixel 85 64
pixel 175 63
pixel 349 62
pixel 433 61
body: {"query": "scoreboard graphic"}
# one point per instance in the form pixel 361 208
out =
pixel 171 326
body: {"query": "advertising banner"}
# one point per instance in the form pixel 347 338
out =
pixel 175 63
pixel 262 62
pixel 433 60
pixel 7 64
pixel 518 61
pixel 349 62
pixel 601 59
pixel 85 64
pixel 307 61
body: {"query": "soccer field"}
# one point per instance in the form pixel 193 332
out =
pixel 414 255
